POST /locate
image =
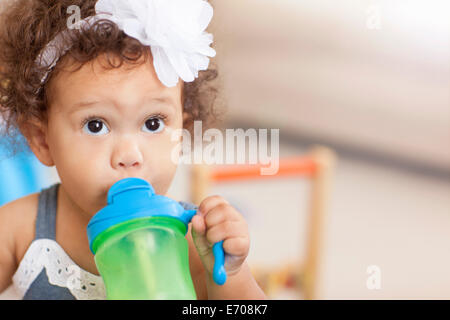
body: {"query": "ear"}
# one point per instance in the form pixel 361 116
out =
pixel 36 134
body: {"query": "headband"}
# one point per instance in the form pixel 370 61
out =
pixel 174 30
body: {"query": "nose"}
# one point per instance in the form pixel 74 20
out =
pixel 127 155
pixel 130 163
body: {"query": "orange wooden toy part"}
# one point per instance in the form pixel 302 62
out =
pixel 303 166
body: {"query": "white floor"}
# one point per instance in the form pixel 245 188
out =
pixel 379 216
pixel 391 219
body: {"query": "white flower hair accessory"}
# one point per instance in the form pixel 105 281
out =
pixel 174 30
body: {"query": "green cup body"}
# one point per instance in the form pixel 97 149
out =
pixel 145 258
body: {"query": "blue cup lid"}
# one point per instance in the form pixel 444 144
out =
pixel 132 198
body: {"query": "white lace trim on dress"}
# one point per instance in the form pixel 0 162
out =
pixel 60 269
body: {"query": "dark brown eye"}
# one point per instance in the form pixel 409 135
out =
pixel 95 127
pixel 154 125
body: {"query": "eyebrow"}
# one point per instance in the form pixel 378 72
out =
pixel 84 104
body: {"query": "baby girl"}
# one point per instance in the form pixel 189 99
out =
pixel 100 103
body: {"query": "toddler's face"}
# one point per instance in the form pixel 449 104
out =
pixel 106 125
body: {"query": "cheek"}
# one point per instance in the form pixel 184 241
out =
pixel 162 167
pixel 78 156
pixel 80 166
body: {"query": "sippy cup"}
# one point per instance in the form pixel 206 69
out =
pixel 139 244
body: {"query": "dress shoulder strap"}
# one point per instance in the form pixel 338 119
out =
pixel 46 215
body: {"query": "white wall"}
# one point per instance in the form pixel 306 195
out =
pixel 314 67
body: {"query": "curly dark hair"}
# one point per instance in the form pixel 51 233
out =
pixel 26 26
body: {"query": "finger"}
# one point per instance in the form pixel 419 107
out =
pixel 225 230
pixel 238 246
pixel 220 213
pixel 209 203
pixel 198 233
pixel 198 225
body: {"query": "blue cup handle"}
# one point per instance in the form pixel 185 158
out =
pixel 219 273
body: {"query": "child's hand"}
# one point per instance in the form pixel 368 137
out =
pixel 217 220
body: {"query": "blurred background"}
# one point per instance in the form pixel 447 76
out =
pixel 370 81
